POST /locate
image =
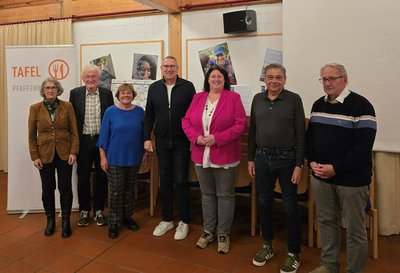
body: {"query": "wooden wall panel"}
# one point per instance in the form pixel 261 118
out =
pixel 30 13
pixel 14 11
pixel 86 7
pixel 43 10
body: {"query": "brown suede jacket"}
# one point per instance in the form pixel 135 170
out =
pixel 46 136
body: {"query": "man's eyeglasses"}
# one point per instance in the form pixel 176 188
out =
pixel 166 66
pixel 50 88
pixel 330 79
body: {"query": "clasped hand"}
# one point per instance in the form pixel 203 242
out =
pixel 206 140
pixel 324 171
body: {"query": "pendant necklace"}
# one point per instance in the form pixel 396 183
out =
pixel 209 114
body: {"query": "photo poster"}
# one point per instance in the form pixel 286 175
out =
pixel 119 58
pixel 271 56
pixel 106 66
pixel 246 51
pixel 140 86
pixel 144 66
pixel 218 55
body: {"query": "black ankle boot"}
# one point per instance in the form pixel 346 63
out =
pixel 66 227
pixel 51 225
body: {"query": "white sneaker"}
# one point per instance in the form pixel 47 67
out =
pixel 181 231
pixel 162 228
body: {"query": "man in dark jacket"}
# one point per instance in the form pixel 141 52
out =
pixel 167 102
pixel 90 102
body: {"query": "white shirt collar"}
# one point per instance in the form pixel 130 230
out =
pixel 95 93
pixel 340 98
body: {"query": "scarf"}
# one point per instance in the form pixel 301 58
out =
pixel 51 106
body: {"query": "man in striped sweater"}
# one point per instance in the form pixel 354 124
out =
pixel 339 143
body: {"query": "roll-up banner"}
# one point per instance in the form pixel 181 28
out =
pixel 27 67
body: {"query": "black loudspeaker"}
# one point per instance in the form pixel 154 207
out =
pixel 240 21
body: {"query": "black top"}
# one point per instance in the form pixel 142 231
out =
pixel 277 124
pixel 167 119
pixel 343 134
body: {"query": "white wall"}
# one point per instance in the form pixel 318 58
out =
pixel 128 29
pixel 209 24
pixel 363 35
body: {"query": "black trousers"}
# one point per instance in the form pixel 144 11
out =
pixel 173 162
pixel 48 177
pixel 88 157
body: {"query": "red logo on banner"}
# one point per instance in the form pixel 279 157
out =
pixel 58 69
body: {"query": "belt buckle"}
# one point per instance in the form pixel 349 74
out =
pixel 92 136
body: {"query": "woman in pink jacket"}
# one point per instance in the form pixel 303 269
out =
pixel 214 123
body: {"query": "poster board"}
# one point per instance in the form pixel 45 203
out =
pixel 123 55
pixel 247 53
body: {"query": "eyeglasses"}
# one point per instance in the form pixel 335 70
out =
pixel 330 79
pixel 166 66
pixel 50 88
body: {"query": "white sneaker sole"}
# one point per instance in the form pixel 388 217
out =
pixel 155 233
pixel 180 237
pixel 262 263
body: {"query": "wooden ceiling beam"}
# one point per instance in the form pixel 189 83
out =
pixel 10 4
pixel 167 6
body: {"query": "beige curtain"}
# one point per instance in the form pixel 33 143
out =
pixel 39 33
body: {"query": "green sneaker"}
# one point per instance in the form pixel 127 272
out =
pixel 291 263
pixel 263 255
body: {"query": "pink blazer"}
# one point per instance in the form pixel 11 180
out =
pixel 227 125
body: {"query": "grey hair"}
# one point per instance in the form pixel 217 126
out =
pixel 339 67
pixel 90 67
pixel 60 89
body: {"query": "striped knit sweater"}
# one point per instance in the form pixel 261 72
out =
pixel 343 134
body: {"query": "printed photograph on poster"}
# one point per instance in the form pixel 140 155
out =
pixel 106 66
pixel 141 87
pixel 271 56
pixel 218 55
pixel 144 66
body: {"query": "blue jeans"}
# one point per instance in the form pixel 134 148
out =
pixel 272 165
pixel 173 163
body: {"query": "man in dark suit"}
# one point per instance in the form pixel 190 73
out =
pixel 90 102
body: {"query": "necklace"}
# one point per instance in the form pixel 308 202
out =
pixel 208 113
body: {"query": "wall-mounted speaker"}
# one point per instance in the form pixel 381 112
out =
pixel 240 21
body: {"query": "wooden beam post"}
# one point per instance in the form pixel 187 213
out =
pixel 175 37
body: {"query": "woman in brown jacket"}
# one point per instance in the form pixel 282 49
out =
pixel 53 144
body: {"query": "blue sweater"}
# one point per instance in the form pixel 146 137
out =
pixel 121 136
pixel 343 135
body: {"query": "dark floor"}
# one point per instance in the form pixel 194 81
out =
pixel 24 248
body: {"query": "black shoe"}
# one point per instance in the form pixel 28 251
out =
pixel 113 232
pixel 51 225
pixel 66 227
pixel 131 224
